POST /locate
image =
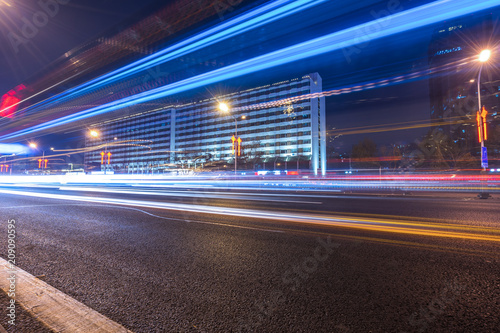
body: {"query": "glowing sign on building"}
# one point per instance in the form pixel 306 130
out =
pixel 454 49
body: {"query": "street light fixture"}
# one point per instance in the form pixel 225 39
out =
pixel 5 163
pixel 96 134
pixel 225 109
pixel 35 146
pixel 484 56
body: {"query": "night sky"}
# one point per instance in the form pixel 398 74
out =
pixel 71 25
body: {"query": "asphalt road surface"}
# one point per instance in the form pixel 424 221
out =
pixel 264 261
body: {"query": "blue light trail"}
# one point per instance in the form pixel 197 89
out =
pixel 400 22
pixel 254 19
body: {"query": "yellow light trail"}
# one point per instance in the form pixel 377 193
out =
pixel 409 228
pixel 424 221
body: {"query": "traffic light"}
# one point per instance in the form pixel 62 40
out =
pixel 484 113
pixel 482 130
pixel 103 157
pixel 239 146
pixel 234 140
pixel 40 161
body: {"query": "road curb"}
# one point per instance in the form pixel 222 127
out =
pixel 56 310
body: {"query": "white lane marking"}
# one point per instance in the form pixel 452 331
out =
pixel 58 311
pixel 35 206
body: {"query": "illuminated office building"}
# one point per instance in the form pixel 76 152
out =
pixel 197 133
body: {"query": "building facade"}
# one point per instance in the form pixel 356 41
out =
pixel 453 59
pixel 197 134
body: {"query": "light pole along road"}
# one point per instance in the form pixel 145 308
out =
pixel 95 134
pixel 484 56
pixel 224 107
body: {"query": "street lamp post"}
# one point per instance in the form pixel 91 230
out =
pixel 484 56
pixel 225 109
pixel 95 134
pixel 236 137
pixel 105 152
pixel 5 164
pixel 35 146
pixel 43 161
